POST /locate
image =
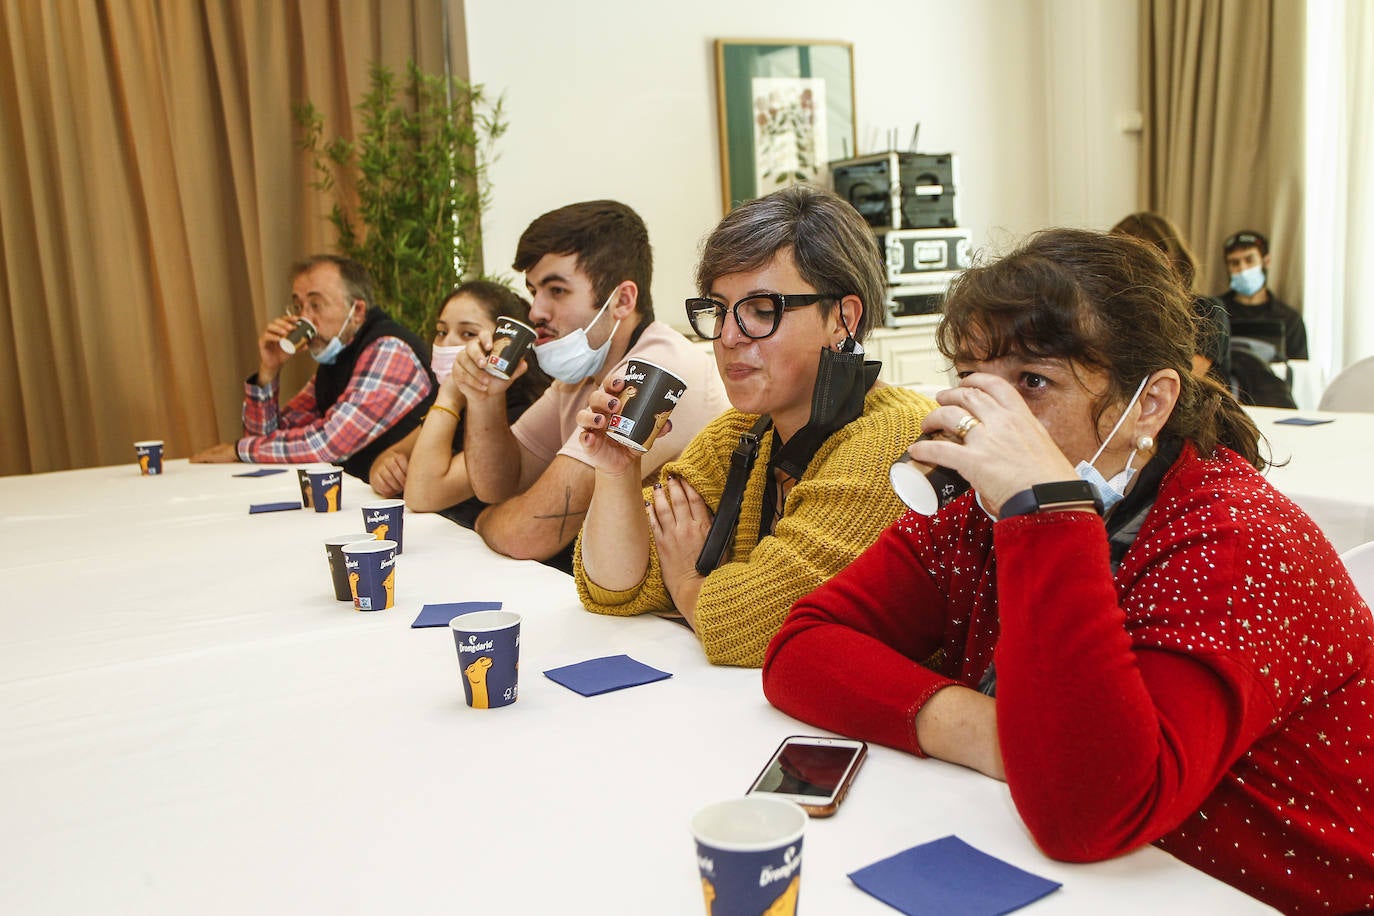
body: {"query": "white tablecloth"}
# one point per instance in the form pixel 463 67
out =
pixel 1324 469
pixel 190 723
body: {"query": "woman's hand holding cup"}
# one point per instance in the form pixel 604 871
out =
pixel 990 437
pixel 605 454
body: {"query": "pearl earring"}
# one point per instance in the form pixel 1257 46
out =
pixel 1144 442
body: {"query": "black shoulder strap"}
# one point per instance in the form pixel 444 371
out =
pixel 732 498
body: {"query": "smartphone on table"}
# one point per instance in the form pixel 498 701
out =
pixel 814 772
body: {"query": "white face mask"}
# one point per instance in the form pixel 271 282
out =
pixel 570 358
pixel 442 359
pixel 1112 491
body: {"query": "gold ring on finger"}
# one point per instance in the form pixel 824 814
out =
pixel 961 429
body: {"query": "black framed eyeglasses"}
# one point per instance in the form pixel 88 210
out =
pixel 758 316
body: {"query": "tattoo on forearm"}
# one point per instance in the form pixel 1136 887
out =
pixel 568 514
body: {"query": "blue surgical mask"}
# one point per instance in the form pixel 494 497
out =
pixel 1111 491
pixel 331 351
pixel 570 358
pixel 1249 281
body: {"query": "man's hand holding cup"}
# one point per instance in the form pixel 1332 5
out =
pixel 271 354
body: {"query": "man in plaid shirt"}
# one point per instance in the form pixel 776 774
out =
pixel 372 386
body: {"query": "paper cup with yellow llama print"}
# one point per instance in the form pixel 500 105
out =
pixel 149 453
pixel 338 570
pixel 650 394
pixel 326 487
pixel 383 519
pixel 488 645
pixel 371 570
pixel 749 853
pixel 303 478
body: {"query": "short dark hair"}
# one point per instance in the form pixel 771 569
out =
pixel 1103 300
pixel 609 239
pixel 356 280
pixel 1246 238
pixel 832 246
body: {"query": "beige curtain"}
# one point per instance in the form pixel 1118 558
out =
pixel 152 197
pixel 1222 94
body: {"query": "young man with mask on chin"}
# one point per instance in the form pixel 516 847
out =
pixel 588 268
pixel 1249 298
pixel 372 384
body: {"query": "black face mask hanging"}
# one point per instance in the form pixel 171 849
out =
pixel 842 380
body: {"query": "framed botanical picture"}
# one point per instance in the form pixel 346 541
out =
pixel 786 109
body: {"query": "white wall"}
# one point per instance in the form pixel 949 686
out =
pixel 617 98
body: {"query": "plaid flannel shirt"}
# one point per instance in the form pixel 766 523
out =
pixel 387 383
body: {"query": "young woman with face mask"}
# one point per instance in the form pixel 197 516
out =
pixel 1189 666
pixel 423 466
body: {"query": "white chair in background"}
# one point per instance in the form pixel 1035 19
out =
pixel 1360 561
pixel 1352 389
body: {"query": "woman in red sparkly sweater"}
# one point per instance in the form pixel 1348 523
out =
pixel 1124 620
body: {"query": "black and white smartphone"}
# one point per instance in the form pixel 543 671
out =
pixel 813 772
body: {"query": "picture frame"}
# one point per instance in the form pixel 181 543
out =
pixel 785 110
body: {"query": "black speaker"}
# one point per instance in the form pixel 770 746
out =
pixel 896 190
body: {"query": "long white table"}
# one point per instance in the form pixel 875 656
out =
pixel 190 723
pixel 1325 469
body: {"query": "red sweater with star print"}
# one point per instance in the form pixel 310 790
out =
pixel 1215 696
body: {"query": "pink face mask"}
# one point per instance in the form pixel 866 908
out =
pixel 442 361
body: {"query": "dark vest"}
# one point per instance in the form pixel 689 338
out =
pixel 330 382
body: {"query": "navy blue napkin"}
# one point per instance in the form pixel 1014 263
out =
pixel 262 472
pixel 602 675
pixel 949 876
pixel 439 615
pixel 273 507
pixel 1303 421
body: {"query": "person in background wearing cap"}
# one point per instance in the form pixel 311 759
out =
pixel 372 384
pixel 1250 299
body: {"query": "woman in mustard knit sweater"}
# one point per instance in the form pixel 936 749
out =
pixel 790 284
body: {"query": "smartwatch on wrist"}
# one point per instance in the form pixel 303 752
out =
pixel 1061 494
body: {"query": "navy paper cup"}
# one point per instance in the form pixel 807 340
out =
pixel 649 396
pixel 749 853
pixel 303 478
pixel 384 518
pixel 149 454
pixel 326 487
pixel 488 644
pixel 338 571
pixel 371 568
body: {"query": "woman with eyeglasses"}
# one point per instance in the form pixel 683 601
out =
pixel 789 285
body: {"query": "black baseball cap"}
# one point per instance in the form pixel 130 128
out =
pixel 1246 238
